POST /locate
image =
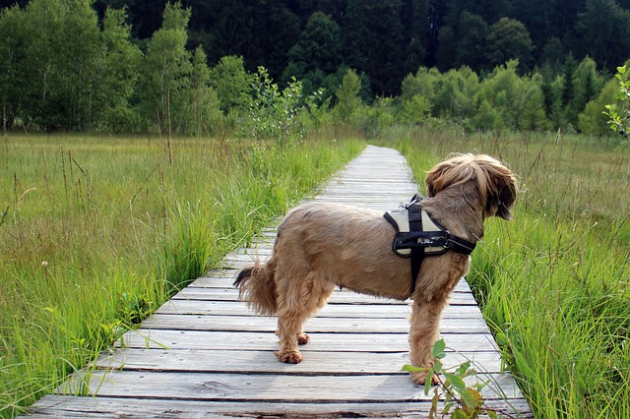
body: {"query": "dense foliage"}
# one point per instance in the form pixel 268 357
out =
pixel 197 67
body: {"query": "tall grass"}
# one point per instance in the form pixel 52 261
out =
pixel 96 232
pixel 553 283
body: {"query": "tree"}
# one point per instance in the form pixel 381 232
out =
pixel 503 91
pixel 261 32
pixel 166 72
pixel 413 18
pixel 472 41
pixel 536 16
pixel 64 51
pixel 588 83
pixel 373 42
pixel 532 116
pixel 455 92
pixel 604 33
pixel 119 75
pixel 435 16
pixel 509 39
pixel 553 54
pixel 347 94
pixel 11 70
pixel 204 114
pixel 423 83
pixel 317 50
pixel 592 120
pixel 231 82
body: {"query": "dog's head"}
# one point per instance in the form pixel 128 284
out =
pixel 496 184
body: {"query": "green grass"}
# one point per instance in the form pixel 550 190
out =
pixel 553 283
pixel 97 232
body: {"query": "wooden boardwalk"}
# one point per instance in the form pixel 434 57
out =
pixel 205 355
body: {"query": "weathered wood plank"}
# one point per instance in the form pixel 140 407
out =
pixel 255 362
pixel 59 407
pixel 321 342
pixel 380 311
pixel 266 387
pixel 231 294
pixel 225 279
pixel 314 325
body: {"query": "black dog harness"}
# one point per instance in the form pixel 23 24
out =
pixel 418 235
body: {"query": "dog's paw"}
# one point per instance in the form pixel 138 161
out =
pixel 292 357
pixel 303 338
pixel 420 378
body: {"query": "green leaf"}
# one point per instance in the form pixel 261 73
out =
pixel 448 407
pixel 427 384
pixel 438 349
pixel 472 398
pixel 411 368
pixel 458 383
pixel 463 368
pixel 437 366
pixel 459 414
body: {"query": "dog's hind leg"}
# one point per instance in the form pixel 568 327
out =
pixel 296 304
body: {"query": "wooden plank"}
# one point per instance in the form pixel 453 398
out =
pixel 59 407
pixel 314 325
pixel 226 278
pixel 380 311
pixel 320 342
pixel 232 294
pixel 266 387
pixel 255 362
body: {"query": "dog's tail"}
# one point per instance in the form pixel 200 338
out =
pixel 257 286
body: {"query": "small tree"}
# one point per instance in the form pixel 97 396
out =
pixel 348 100
pixel 232 84
pixel 274 113
pixel 166 71
pixel 120 74
pixel 593 121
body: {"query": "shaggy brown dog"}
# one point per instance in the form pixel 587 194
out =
pixel 321 245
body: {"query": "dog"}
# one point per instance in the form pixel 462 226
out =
pixel 323 245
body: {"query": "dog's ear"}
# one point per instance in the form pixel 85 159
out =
pixel 438 178
pixel 501 187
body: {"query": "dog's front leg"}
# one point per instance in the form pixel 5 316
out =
pixel 424 331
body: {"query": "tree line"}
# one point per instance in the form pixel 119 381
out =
pixel 93 66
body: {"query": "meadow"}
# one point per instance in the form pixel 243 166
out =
pixel 553 283
pixel 97 232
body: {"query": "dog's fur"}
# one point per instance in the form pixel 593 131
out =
pixel 321 245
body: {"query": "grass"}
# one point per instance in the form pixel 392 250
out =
pixel 95 233
pixel 553 283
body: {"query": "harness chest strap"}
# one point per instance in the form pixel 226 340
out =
pixel 418 235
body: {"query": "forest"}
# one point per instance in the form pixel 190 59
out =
pixel 194 67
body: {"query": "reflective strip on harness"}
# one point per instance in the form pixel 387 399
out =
pixel 418 235
pixel 431 237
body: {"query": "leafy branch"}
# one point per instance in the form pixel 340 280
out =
pixel 461 401
pixel 619 114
